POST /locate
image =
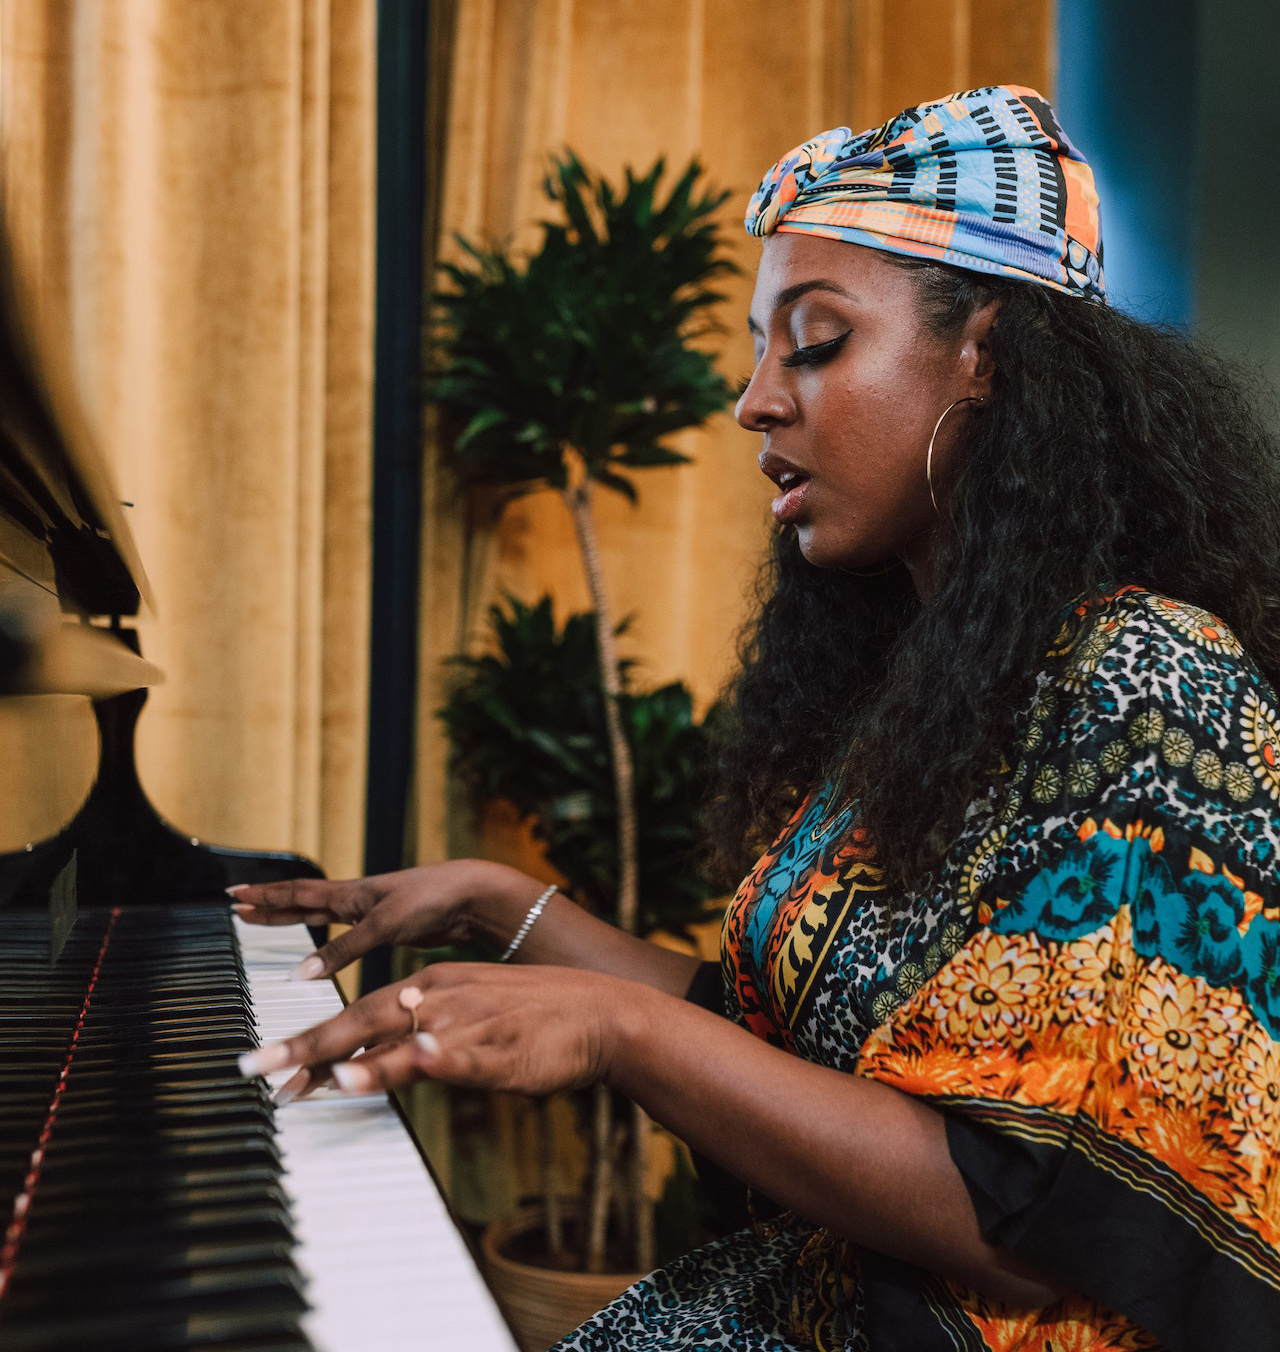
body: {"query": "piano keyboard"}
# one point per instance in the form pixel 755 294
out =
pixel 383 1260
pixel 157 1205
pixel 146 1211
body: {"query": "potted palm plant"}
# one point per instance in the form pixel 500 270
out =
pixel 566 370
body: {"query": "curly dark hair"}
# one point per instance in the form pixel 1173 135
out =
pixel 1110 452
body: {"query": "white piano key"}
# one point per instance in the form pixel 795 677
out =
pixel 384 1263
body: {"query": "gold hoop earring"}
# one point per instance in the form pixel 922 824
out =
pixel 928 460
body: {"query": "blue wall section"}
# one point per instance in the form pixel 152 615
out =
pixel 1238 263
pixel 1126 92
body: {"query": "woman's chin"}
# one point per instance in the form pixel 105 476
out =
pixel 825 553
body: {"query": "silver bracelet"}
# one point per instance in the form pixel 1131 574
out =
pixel 527 923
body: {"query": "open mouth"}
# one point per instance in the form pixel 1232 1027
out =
pixel 792 484
pixel 789 479
pixel 788 506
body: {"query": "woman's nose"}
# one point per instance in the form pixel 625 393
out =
pixel 764 403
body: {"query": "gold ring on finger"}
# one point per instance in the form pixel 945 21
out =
pixel 410 998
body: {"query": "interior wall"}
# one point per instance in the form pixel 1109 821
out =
pixel 1160 95
pixel 1128 95
pixel 623 82
pixel 1237 279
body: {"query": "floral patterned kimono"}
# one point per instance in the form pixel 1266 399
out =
pixel 1091 995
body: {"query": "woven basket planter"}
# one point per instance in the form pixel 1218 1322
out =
pixel 542 1304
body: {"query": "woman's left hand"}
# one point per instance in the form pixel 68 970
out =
pixel 533 1030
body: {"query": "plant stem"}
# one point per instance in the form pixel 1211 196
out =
pixel 601 1178
pixel 645 1244
pixel 550 1192
pixel 578 499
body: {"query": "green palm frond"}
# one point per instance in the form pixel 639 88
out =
pixel 588 344
pixel 526 723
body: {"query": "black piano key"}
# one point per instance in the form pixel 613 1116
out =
pixel 166 1260
pixel 130 1202
pixel 218 1112
pixel 147 1330
pixel 205 1290
pixel 226 1225
pixel 238 1318
pixel 264 1179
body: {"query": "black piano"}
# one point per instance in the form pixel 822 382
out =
pixel 150 1198
pixel 147 1209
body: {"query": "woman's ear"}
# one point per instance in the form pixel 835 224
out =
pixel 976 357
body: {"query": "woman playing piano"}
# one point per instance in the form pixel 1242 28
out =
pixel 1001 995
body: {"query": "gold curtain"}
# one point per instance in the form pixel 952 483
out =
pixel 623 82
pixel 189 187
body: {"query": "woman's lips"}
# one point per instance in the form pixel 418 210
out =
pixel 793 484
pixel 789 504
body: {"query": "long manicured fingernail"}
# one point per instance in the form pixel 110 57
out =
pixel 234 888
pixel 427 1043
pixel 291 1089
pixel 264 1060
pixel 352 1079
pixel 308 969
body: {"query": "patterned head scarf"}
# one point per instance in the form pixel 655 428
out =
pixel 985 180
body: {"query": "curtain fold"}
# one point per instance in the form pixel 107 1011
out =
pixel 189 188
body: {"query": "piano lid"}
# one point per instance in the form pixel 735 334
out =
pixel 61 525
pixel 44 651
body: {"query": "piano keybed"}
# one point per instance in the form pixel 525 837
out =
pixel 160 1201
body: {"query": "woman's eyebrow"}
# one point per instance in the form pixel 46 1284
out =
pixel 790 294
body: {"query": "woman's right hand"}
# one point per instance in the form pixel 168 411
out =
pixel 425 907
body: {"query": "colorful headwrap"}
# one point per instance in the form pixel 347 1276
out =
pixel 985 180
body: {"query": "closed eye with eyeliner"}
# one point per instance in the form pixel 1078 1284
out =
pixel 814 354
